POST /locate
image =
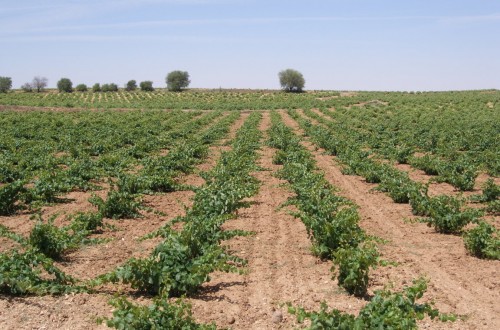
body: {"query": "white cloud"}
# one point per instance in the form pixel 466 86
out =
pixel 470 19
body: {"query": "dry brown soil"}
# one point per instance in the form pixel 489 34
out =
pixel 280 266
pixel 459 283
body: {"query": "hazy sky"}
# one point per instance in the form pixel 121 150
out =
pixel 340 45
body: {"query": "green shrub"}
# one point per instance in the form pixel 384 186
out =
pixel 9 197
pixel 50 240
pixel 428 163
pixel 161 314
pixel 48 187
pixel 30 272
pixel 181 263
pixel 445 214
pixel 493 207
pixel 460 174
pixel 354 264
pixel 491 191
pixel 387 310
pixel 398 186
pixel 118 205
pixel 86 221
pixel 419 201
pixel 403 153
pixel 483 241
pixel 329 233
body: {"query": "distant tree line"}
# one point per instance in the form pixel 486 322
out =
pixel 290 80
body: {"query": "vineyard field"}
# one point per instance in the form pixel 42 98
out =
pixel 252 210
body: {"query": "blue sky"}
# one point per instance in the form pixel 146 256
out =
pixel 337 45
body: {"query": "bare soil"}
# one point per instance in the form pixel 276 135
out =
pixel 280 266
pixel 459 283
pixel 80 311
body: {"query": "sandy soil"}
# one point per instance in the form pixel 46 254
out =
pixel 435 188
pixel 459 283
pixel 80 311
pixel 280 266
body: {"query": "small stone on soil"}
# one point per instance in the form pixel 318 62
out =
pixel 277 317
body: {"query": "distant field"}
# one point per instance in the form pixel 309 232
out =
pixel 196 100
pixel 152 205
pixel 243 100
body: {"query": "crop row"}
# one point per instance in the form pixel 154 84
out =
pixel 185 258
pixel 460 171
pixel 457 138
pixel 50 154
pixel 20 273
pixel 447 214
pixel 332 223
pixel 198 100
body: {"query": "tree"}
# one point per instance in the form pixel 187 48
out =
pixel 177 80
pixel 96 88
pixel 65 85
pixel 81 88
pixel 291 80
pixel 39 83
pixel 147 86
pixel 113 87
pixel 27 87
pixel 5 84
pixel 131 86
pixel 109 87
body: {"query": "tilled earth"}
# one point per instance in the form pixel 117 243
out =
pixel 281 268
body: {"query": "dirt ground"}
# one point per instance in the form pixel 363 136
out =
pixel 459 283
pixel 280 266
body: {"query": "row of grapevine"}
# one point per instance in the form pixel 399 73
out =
pixel 460 171
pixel 332 223
pixel 185 258
pixel 331 220
pixel 45 155
pixel 21 274
pixel 199 100
pixel 446 214
pixel 180 263
pixel 457 138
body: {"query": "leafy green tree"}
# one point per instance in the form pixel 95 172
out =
pixel 5 84
pixel 131 85
pixel 147 86
pixel 39 83
pixel 96 88
pixel 65 85
pixel 81 88
pixel 177 80
pixel 291 80
pixel 109 87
